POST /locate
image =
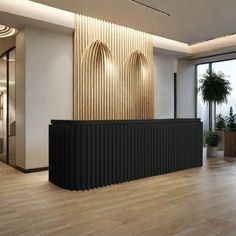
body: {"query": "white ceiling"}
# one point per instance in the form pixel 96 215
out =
pixel 190 21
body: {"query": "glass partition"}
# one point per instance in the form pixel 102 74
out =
pixel 7 108
pixel 12 110
pixel 3 108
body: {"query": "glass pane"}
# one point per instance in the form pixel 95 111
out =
pixel 3 108
pixel 228 68
pixel 12 110
pixel 202 108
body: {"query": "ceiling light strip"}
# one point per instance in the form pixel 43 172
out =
pixel 152 8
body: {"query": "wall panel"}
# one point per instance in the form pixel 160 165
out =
pixel 113 71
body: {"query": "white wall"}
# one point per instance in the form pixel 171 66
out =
pixel 163 86
pixel 20 98
pixel 48 90
pixel 186 89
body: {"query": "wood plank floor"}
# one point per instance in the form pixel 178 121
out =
pixel 199 201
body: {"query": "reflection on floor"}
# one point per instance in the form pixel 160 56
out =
pixel 3 157
pixel 199 201
pixel 12 150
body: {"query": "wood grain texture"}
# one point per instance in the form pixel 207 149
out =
pixel 199 201
pixel 230 143
pixel 113 71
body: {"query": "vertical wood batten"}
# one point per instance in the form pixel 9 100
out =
pixel 104 87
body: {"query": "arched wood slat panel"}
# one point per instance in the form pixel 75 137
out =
pixel 113 71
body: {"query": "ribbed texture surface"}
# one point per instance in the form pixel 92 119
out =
pixel 113 71
pixel 90 155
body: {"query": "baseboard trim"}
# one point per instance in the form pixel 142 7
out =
pixel 27 171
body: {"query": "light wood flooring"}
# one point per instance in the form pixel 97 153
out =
pixel 199 201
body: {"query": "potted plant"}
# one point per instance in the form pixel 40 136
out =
pixel 230 135
pixel 231 121
pixel 214 88
pixel 212 140
pixel 220 129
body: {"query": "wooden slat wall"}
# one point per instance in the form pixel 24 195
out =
pixel 113 72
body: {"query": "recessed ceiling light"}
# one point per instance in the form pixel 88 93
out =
pixel 6 31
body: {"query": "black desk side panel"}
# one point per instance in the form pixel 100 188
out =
pixel 89 154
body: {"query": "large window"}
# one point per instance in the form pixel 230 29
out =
pixel 229 69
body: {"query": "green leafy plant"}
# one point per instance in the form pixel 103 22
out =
pixel 212 139
pixel 220 123
pixel 231 121
pixel 215 88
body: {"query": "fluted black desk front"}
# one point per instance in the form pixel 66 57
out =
pixel 89 154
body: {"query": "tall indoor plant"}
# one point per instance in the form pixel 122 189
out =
pixel 214 88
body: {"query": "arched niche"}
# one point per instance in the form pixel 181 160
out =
pixel 98 81
pixel 137 66
pixel 97 60
pixel 137 86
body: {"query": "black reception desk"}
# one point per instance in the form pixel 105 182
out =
pixel 89 154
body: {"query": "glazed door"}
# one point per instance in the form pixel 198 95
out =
pixel 7 108
pixel 12 110
pixel 3 108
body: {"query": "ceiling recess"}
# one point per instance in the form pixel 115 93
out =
pixel 6 31
pixel 150 7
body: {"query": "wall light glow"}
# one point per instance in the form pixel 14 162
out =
pixel 214 44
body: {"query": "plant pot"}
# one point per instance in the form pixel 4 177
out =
pixel 221 134
pixel 212 151
pixel 230 144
